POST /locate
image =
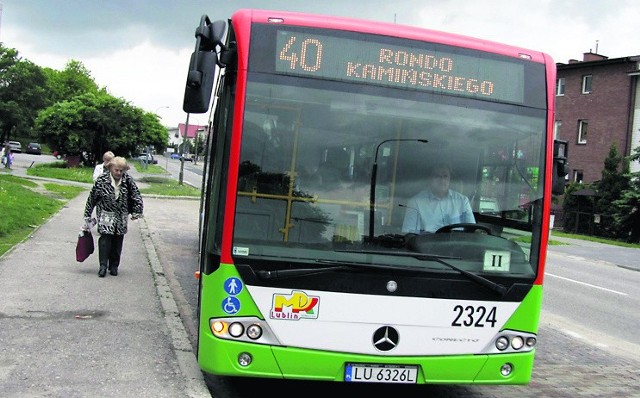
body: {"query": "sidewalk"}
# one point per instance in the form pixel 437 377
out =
pixel 65 332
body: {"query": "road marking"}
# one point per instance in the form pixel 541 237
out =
pixel 578 336
pixel 572 334
pixel 587 284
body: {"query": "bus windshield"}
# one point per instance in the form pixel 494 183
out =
pixel 332 169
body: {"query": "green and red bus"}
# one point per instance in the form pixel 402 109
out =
pixel 321 130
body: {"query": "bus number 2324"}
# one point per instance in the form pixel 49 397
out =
pixel 470 315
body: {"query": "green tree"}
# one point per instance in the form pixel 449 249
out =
pixel 75 79
pixel 628 205
pixel 96 122
pixel 615 181
pixel 23 94
pixel 199 146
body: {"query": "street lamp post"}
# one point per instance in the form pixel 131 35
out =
pixel 374 174
pixel 186 129
pixel 166 162
pixel 160 107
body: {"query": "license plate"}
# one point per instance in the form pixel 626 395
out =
pixel 368 373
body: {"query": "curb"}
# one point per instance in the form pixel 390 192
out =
pixel 194 379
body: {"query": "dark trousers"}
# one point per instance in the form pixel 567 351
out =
pixel 109 250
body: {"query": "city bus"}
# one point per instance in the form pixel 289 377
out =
pixel 321 131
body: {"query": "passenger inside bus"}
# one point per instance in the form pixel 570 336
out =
pixel 437 205
pixel 333 172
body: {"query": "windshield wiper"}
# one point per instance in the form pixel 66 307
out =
pixel 333 266
pixel 420 256
pixel 482 281
pixel 339 266
pixel 287 273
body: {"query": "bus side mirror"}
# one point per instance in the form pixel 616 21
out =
pixel 560 167
pixel 202 66
pixel 197 93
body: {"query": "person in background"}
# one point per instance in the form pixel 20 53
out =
pixel 114 195
pixel 437 205
pixel 101 168
pixel 7 156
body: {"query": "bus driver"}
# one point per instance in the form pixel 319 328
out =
pixel 437 205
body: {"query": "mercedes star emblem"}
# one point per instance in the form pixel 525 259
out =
pixel 385 338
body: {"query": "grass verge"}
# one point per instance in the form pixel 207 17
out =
pixel 167 187
pixel 25 204
pixel 561 234
pixel 24 208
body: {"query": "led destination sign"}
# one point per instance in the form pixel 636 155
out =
pixel 336 58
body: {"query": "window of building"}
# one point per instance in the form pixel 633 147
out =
pixel 583 127
pixel 560 86
pixel 586 84
pixel 556 129
pixel 578 176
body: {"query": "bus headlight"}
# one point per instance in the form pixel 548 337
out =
pixel 236 329
pixel 502 343
pixel 508 341
pixel 247 329
pixel 254 331
pixel 517 343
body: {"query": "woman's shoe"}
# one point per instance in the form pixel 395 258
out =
pixel 113 271
pixel 102 272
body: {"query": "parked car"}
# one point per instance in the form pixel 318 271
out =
pixel 489 206
pixel 34 148
pixel 186 157
pixel 146 157
pixel 16 147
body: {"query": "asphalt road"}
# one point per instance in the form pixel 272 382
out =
pixel 599 298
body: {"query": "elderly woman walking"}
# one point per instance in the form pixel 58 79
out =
pixel 114 195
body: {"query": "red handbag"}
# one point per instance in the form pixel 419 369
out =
pixel 84 247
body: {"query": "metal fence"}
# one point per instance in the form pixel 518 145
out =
pixel 586 223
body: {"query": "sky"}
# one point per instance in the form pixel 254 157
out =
pixel 139 49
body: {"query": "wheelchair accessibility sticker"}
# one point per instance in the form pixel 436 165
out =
pixel 232 286
pixel 231 305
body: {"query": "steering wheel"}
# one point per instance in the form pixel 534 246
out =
pixel 465 227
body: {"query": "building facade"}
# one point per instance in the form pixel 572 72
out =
pixel 597 104
pixel 178 135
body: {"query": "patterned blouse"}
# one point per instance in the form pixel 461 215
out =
pixel 112 213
